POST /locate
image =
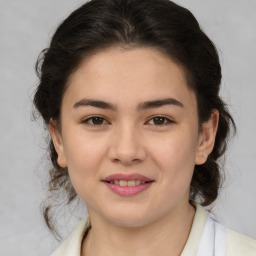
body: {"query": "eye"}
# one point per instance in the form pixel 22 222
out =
pixel 99 121
pixel 161 121
pixel 94 121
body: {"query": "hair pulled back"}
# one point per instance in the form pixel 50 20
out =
pixel 161 24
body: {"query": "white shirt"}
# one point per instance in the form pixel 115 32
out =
pixel 207 238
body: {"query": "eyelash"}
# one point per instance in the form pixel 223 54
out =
pixel 169 121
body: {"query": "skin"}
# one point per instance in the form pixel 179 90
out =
pixel 158 220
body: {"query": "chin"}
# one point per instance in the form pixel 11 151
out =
pixel 128 218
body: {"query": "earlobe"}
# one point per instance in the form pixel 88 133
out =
pixel 58 144
pixel 207 138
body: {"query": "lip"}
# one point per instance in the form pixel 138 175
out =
pixel 126 191
pixel 122 176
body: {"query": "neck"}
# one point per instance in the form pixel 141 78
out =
pixel 166 236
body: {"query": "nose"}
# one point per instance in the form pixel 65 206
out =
pixel 127 145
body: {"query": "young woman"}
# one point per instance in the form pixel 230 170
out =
pixel 129 90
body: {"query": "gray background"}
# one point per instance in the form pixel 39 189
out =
pixel 25 29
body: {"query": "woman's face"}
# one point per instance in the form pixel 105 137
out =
pixel 131 135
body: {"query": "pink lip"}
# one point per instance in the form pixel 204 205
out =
pixel 128 191
pixel 132 176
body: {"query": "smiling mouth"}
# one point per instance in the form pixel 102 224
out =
pixel 127 183
pixel 127 188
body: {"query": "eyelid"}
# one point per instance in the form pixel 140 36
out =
pixel 168 119
pixel 85 121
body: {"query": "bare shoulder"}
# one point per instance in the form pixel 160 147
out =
pixel 240 245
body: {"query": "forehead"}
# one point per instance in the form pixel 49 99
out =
pixel 119 61
pixel 127 76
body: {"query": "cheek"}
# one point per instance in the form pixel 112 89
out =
pixel 178 149
pixel 175 158
pixel 83 160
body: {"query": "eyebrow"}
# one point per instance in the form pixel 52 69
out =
pixel 142 106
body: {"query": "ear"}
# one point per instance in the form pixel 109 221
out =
pixel 207 138
pixel 58 144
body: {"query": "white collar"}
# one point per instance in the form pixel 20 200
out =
pixel 205 232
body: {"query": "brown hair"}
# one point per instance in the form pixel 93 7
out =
pixel 161 24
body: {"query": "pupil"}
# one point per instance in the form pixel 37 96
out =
pixel 159 120
pixel 97 120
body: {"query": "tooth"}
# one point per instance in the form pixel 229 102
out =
pixel 123 183
pixel 131 183
pixel 137 182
